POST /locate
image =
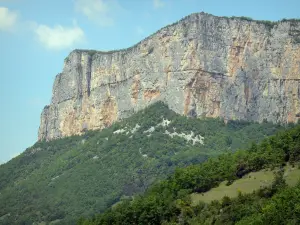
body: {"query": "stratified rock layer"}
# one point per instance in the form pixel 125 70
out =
pixel 201 66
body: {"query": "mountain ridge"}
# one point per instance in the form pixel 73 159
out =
pixel 267 23
pixel 242 18
pixel 202 66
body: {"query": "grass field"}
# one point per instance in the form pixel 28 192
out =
pixel 249 183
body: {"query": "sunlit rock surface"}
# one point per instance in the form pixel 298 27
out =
pixel 200 66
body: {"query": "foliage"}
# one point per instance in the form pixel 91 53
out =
pixel 242 18
pixel 269 24
pixel 168 202
pixel 78 176
pixel 92 52
pixel 290 20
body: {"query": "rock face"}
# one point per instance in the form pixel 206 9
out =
pixel 203 65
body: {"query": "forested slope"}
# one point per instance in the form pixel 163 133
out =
pixel 64 179
pixel 169 202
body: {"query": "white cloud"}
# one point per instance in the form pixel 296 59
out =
pixel 55 38
pixel 101 12
pixel 8 19
pixel 158 4
pixel 59 37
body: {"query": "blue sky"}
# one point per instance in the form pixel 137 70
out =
pixel 36 36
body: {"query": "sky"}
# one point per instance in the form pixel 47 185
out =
pixel 36 36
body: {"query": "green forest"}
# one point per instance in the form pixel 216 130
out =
pixel 59 181
pixel 169 202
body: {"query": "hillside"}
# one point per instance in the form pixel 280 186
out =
pixel 64 179
pixel 170 202
pixel 247 184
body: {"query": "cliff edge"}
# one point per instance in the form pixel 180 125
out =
pixel 203 65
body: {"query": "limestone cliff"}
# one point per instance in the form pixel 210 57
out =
pixel 200 66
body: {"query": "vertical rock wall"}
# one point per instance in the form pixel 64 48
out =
pixel 201 66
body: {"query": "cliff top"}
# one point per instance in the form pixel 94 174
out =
pixel 269 24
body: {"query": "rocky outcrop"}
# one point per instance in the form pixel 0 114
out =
pixel 200 66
